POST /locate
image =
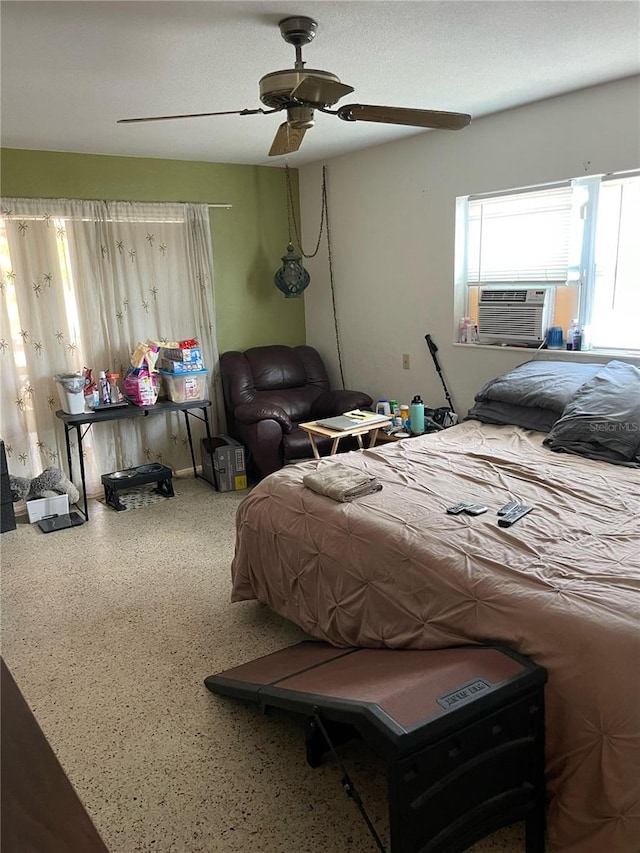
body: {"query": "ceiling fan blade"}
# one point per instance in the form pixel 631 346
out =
pixel 319 90
pixel 197 115
pixel 399 115
pixel 287 140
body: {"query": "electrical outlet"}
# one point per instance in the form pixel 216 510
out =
pixel 405 361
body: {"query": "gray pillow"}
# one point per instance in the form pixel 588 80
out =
pixel 603 419
pixel 543 384
pixel 527 417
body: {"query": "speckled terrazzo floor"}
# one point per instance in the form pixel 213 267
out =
pixel 109 630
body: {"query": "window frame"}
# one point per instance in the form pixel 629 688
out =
pixel 581 260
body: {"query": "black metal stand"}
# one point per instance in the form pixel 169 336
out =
pixel 82 424
pixel 433 349
pixel 120 481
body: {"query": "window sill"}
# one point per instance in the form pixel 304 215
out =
pixel 564 353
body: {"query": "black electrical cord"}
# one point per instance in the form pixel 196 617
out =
pixel 346 782
pixel 324 223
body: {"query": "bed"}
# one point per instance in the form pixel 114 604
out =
pixel 561 586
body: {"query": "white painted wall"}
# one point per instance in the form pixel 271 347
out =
pixel 391 216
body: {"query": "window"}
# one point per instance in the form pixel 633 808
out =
pixel 578 237
pixel 81 283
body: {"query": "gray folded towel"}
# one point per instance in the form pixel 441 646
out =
pixel 340 483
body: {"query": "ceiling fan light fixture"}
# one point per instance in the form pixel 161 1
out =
pixel 300 117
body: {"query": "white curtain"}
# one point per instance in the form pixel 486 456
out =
pixel 82 282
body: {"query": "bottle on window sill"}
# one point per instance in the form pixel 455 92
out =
pixel 585 340
pixel 572 335
pixel 467 331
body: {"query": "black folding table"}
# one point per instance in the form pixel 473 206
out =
pixel 82 424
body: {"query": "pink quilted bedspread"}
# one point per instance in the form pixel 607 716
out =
pixel 562 586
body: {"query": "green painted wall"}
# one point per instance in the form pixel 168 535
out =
pixel 248 240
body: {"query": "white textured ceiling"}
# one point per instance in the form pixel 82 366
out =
pixel 71 69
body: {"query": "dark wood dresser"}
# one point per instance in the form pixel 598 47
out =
pixel 8 519
pixel 40 809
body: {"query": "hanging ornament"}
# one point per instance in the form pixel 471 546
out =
pixel 292 278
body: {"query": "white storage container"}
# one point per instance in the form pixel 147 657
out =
pixel 71 401
pixel 39 507
pixel 182 387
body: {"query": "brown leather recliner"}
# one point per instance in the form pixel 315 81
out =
pixel 268 391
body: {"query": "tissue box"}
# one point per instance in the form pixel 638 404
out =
pixel 39 507
pixel 223 463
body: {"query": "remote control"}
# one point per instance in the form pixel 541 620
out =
pixel 475 509
pixel 515 514
pixel 508 507
pixel 456 509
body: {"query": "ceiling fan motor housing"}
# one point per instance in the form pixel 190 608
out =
pixel 298 30
pixel 276 88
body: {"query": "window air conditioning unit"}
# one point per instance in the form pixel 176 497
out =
pixel 512 316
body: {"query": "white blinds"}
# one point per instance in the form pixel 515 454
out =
pixel 520 238
pixel 615 300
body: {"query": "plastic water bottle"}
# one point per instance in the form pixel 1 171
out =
pixel 104 388
pixel 417 415
pixel 572 332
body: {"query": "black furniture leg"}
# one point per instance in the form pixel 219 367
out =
pixel 536 820
pixel 206 422
pixel 535 832
pixel 316 744
pixel 165 487
pixel 68 443
pixel 193 458
pixel 111 497
pixel 82 473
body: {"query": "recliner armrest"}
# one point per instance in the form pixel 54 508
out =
pixel 336 402
pixel 251 413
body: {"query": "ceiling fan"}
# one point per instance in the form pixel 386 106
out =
pixel 300 91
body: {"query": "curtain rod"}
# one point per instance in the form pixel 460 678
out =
pixel 127 201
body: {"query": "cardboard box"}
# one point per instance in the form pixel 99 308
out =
pixel 39 507
pixel 187 354
pixel 181 366
pixel 223 463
